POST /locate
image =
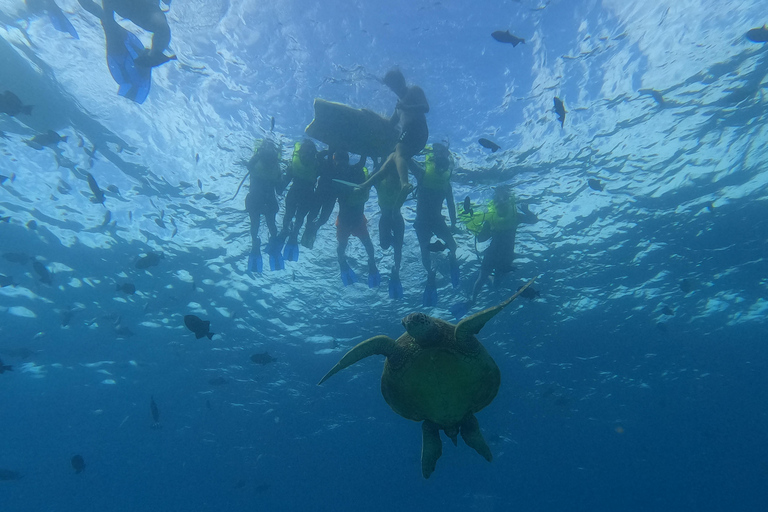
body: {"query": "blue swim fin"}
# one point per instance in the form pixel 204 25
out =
pixel 133 80
pixel 291 251
pixel 255 263
pixel 61 23
pixel 374 279
pixel 395 288
pixel 348 276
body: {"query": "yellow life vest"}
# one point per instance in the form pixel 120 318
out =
pixel 299 169
pixel 269 173
pixel 498 223
pixel 435 178
pixel 387 190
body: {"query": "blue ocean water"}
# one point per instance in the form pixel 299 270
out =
pixel 606 403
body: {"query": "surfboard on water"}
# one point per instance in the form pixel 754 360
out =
pixel 358 131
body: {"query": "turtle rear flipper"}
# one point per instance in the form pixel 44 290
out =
pixel 431 447
pixel 470 432
pixel 381 345
pixel 473 324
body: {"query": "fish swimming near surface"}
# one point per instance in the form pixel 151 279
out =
pixel 263 358
pixel 560 111
pixel 758 35
pixel 5 367
pixel 49 138
pixel 200 327
pixel 687 285
pixel 7 475
pixel 78 463
pixel 595 185
pixel 506 37
pixel 97 193
pixel 529 293
pixel 272 124
pixel 151 259
pixel 6 281
pixel 127 288
pixel 11 104
pixel 155 412
pixel 668 311
pixel 200 184
pixel 16 257
pixel 43 272
pixel 468 206
pixel 489 145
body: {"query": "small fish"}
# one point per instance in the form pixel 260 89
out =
pixel 197 159
pixel 5 367
pixel 489 145
pixel 127 288
pixel 42 271
pixel 595 185
pixel 560 111
pixel 3 179
pixel 49 138
pixel 78 463
pixel 5 219
pixel 155 412
pixel 668 311
pixel 11 104
pixel 686 285
pixel 7 475
pixel 529 293
pixel 98 194
pixel 211 196
pixel 198 326
pixel 66 317
pixel 160 222
pixel 758 35
pixel 272 124
pixel 506 37
pixel 32 225
pixel 263 358
pixel 16 257
pixel 184 184
pixel 6 281
pixel 217 381
pixel 468 206
pixel 151 259
pixel 107 218
pixel 200 184
pixel 114 189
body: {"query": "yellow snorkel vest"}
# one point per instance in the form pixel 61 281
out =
pixel 435 178
pixel 300 170
pixel 498 223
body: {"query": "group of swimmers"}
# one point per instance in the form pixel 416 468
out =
pixel 320 179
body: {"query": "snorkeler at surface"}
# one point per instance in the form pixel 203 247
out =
pixel 303 173
pixel 265 183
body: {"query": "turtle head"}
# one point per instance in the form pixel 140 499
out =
pixel 421 327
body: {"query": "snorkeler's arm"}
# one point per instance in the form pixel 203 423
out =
pixel 526 216
pixel 451 203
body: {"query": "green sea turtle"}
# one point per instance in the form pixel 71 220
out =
pixel 438 373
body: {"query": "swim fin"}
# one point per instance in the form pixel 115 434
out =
pixel 348 276
pixel 308 238
pixel 395 288
pixel 255 263
pixel 291 251
pixel 133 80
pixel 374 279
pixel 275 252
pixel 430 293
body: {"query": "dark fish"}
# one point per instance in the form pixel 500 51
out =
pixel 506 37
pixel 596 185
pixel 200 184
pixel 271 124
pixel 66 317
pixel 155 412
pixel 127 288
pixel 263 358
pixel 42 271
pixel 5 219
pixel 489 145
pixel 200 327
pixel 560 111
pixel 49 138
pixel 123 331
pixel 184 184
pixel 468 206
pixel 686 285
pixel 437 246
pixel 5 367
pixel 98 194
pixel 107 218
pixel 160 222
pixel 197 159
pixel 151 259
pixel 32 225
pixel 666 310
pixel 3 179
pixel 7 474
pixel 217 381
pixel 530 293
pixel 758 35
pixel 6 281
pixel 11 104
pixel 78 463
pixel 114 189
pixel 211 196
pixel 16 257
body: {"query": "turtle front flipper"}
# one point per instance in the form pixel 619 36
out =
pixel 431 447
pixel 470 432
pixel 381 345
pixel 473 324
